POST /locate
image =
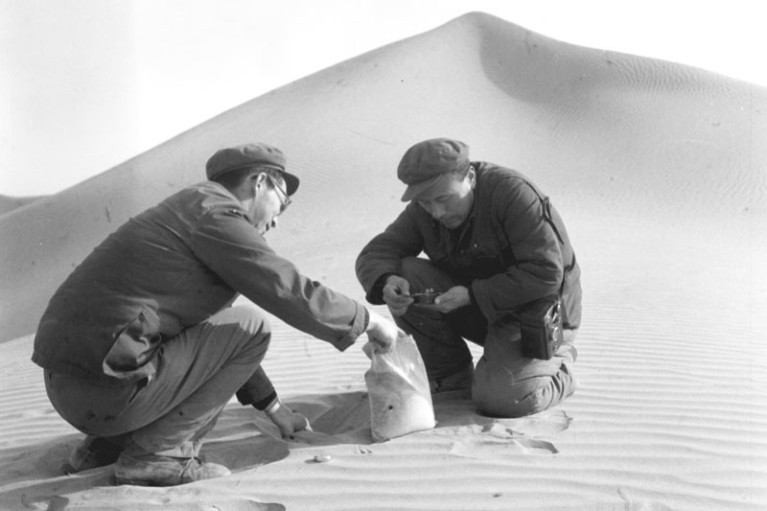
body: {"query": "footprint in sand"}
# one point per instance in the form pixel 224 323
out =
pixel 512 436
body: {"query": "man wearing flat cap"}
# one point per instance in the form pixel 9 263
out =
pixel 499 260
pixel 140 345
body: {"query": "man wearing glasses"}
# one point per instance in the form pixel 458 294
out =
pixel 140 345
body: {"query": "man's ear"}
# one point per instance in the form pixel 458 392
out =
pixel 257 179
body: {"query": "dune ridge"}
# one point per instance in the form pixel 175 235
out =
pixel 9 203
pixel 327 121
pixel 658 171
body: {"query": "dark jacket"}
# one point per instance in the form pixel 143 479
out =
pixel 168 269
pixel 513 248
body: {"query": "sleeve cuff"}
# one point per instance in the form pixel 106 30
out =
pixel 257 391
pixel 359 326
pixel 472 298
pixel 261 404
pixel 375 296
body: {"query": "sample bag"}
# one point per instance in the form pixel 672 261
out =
pixel 400 398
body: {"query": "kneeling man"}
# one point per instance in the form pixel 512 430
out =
pixel 499 256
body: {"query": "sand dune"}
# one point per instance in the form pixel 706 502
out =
pixel 8 203
pixel 659 172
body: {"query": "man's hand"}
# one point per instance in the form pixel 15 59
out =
pixel 452 299
pixel 288 421
pixel 382 333
pixel 396 294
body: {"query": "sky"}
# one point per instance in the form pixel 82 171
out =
pixel 88 84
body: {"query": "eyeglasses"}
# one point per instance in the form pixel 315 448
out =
pixel 280 194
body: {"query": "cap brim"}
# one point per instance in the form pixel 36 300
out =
pixel 414 190
pixel 291 182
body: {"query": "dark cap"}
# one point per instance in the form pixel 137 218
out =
pixel 427 161
pixel 250 155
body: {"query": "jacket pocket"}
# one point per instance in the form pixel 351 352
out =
pixel 132 353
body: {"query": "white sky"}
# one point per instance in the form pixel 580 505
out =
pixel 87 84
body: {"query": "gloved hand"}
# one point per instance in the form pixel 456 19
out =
pixel 286 420
pixel 382 333
pixel 396 294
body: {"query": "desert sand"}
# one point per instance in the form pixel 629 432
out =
pixel 659 172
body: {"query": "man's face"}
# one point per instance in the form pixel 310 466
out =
pixel 270 202
pixel 450 200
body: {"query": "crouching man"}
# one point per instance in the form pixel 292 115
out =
pixel 140 348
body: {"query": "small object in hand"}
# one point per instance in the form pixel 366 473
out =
pixel 425 298
pixel 322 458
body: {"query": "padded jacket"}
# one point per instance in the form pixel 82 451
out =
pixel 168 269
pixel 512 250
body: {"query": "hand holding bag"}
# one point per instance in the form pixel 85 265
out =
pixel 400 398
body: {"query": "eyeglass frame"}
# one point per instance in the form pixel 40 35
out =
pixel 281 193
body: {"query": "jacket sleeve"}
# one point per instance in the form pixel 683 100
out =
pixel 257 391
pixel 537 268
pixel 383 254
pixel 234 250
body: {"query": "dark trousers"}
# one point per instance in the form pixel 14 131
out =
pixel 198 372
pixel 506 384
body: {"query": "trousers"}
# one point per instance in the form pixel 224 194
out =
pixel 505 383
pixel 198 371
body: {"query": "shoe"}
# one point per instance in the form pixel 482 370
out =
pixel 155 470
pixel 567 351
pixel 460 380
pixel 91 452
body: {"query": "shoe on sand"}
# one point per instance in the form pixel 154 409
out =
pixel 567 351
pixel 459 381
pixel 156 470
pixel 91 452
